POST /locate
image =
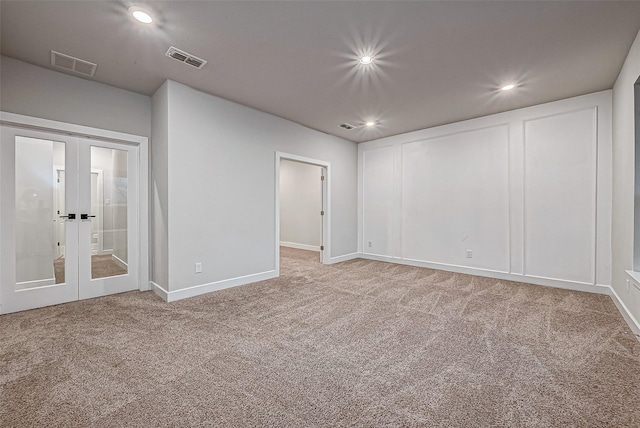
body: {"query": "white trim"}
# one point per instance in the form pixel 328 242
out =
pixel 594 185
pixel 197 290
pixel 28 285
pixel 300 246
pixel 343 258
pixel 633 323
pixel 161 292
pixel 52 126
pixel 636 278
pixel 120 262
pixel 548 282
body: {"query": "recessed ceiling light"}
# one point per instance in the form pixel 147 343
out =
pixel 140 15
pixel 366 60
pixel 507 87
pixel 370 123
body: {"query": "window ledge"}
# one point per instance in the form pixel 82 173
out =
pixel 635 275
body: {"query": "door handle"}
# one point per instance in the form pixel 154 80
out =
pixel 69 216
pixel 85 216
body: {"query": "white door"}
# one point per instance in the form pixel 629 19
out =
pixel 46 219
pixel 115 217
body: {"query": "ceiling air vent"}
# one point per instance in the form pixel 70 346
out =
pixel 73 64
pixel 185 57
pixel 347 126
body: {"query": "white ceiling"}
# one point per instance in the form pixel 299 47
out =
pixel 436 62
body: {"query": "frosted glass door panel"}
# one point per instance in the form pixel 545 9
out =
pixel 39 251
pixel 109 190
pixel 108 227
pixel 38 225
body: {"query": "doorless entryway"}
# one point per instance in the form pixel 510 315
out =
pixel 322 208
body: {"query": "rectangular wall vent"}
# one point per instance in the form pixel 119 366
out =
pixel 187 58
pixel 347 126
pixel 73 64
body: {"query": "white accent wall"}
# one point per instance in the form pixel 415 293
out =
pixel 218 161
pixel 623 183
pixel 522 195
pixel 300 205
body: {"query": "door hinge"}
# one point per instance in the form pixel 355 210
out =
pixel 321 247
pixel 322 178
pixel 321 212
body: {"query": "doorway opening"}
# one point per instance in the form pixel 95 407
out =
pixel 302 208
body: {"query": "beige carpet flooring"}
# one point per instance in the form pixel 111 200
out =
pixel 101 267
pixel 360 343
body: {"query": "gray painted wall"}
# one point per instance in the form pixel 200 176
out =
pixel 35 91
pixel 221 186
pixel 622 229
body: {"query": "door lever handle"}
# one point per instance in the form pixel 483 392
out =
pixel 69 216
pixel 85 216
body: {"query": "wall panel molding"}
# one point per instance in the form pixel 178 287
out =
pixel 580 128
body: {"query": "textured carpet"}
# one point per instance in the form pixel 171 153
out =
pixel 360 343
pixel 101 267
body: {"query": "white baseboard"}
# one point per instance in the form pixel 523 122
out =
pixel 196 290
pixel 300 246
pixel 633 323
pixel 342 258
pixel 548 282
pixel 161 292
pixel 120 262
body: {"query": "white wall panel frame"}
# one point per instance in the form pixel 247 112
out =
pixel 367 202
pixel 592 231
pixel 505 184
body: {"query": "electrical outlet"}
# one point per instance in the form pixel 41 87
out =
pixel 198 267
pixel 469 254
pixel 370 244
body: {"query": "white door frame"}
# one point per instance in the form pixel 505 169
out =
pixel 325 254
pixel 55 127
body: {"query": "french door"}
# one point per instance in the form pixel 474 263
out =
pixel 69 219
